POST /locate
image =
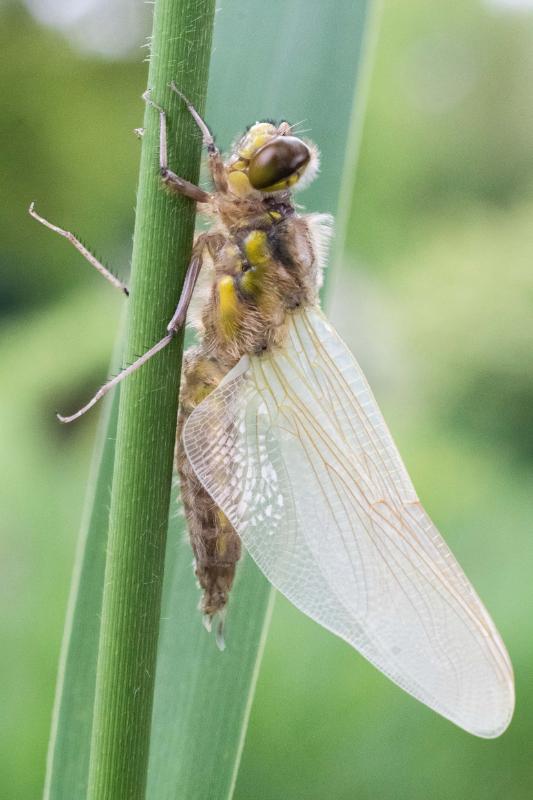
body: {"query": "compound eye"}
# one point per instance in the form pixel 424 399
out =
pixel 278 164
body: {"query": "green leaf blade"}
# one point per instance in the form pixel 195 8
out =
pixel 210 694
pixel 69 746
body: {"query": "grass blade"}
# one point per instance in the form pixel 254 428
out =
pixel 68 752
pixel 201 709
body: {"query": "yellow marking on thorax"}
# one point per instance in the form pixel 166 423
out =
pixel 258 255
pixel 229 305
pixel 256 249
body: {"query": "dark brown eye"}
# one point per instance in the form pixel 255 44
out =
pixel 276 162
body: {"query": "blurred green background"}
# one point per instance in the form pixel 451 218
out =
pixel 435 297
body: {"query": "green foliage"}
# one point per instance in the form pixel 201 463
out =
pixel 40 518
pixel 448 122
pixel 480 268
pixel 68 117
pixel 439 248
pixel 69 748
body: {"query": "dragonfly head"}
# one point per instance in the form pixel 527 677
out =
pixel 269 159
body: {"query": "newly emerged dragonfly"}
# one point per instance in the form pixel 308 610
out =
pixel 282 447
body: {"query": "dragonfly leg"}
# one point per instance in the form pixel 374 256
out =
pixel 88 256
pixel 177 321
pixel 170 179
pixel 215 163
pixel 193 271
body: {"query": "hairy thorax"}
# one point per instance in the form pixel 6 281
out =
pixel 264 265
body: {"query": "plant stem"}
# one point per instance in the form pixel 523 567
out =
pixel 164 227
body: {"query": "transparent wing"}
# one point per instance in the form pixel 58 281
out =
pixel 293 448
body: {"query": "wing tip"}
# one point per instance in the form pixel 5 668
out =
pixel 486 725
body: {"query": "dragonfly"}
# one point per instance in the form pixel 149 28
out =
pixel 282 449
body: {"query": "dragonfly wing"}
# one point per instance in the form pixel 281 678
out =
pixel 293 448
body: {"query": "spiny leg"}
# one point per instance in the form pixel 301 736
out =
pixel 191 276
pixel 216 164
pixel 88 256
pixel 207 136
pixel 169 178
pixel 178 319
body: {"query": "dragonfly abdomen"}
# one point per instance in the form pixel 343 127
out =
pixel 215 543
